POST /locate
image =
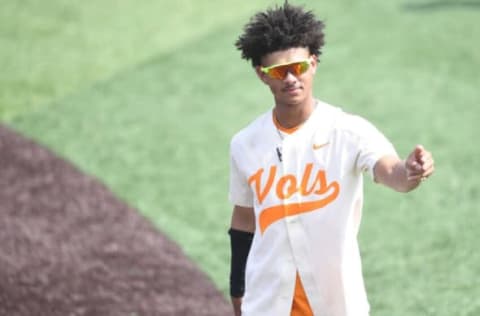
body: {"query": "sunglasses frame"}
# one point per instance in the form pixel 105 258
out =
pixel 305 62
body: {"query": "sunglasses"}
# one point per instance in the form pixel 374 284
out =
pixel 280 71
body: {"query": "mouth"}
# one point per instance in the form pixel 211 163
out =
pixel 292 89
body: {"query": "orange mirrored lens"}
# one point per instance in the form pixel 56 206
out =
pixel 281 71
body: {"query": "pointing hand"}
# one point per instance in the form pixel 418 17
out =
pixel 419 164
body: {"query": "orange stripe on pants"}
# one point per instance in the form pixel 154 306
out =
pixel 300 306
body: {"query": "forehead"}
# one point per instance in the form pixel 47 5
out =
pixel 285 56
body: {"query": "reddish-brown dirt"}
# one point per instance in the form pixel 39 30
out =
pixel 69 247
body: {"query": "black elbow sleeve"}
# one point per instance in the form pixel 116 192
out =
pixel 240 242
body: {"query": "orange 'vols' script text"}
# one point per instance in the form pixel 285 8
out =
pixel 288 185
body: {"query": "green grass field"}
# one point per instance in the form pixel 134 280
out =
pixel 146 96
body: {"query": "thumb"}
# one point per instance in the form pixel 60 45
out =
pixel 418 151
pixel 412 160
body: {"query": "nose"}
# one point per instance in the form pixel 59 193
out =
pixel 290 77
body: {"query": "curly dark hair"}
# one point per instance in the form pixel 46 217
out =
pixel 280 28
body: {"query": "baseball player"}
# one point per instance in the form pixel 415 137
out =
pixel 296 181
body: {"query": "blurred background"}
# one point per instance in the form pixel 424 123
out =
pixel 145 95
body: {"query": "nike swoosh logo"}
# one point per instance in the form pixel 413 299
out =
pixel 318 146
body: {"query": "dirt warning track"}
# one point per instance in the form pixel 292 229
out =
pixel 69 247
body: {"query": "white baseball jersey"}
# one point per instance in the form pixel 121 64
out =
pixel 307 207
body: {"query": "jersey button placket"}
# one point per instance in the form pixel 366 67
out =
pixel 291 221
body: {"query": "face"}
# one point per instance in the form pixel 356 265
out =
pixel 292 89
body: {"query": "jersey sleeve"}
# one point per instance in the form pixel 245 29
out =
pixel 371 145
pixel 240 192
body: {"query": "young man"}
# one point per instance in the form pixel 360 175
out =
pixel 296 181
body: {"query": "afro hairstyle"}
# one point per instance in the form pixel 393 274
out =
pixel 280 28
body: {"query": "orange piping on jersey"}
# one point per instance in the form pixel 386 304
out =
pixel 290 130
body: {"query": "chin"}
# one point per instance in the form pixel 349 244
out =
pixel 295 99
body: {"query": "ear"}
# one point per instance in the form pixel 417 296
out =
pixel 261 74
pixel 314 63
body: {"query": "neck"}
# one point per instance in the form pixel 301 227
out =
pixel 293 115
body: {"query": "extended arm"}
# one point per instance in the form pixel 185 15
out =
pixel 405 175
pixel 241 235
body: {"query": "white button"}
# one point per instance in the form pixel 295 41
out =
pixel 292 219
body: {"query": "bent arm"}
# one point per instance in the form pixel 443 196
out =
pixel 243 218
pixel 404 175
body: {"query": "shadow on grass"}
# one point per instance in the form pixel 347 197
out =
pixel 441 5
